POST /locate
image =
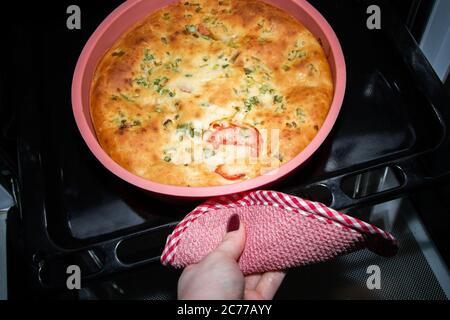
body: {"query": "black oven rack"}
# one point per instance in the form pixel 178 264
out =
pixel 415 145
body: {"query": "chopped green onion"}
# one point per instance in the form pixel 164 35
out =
pixel 142 82
pixel 186 128
pixel 296 54
pixel 265 88
pixel 191 28
pixel 148 56
pixel 250 103
pixel 277 99
pixel 248 71
pixel 167 123
pixel 126 97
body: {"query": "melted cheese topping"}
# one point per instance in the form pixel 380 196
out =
pixel 207 92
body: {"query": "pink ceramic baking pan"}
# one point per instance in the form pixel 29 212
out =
pixel 133 10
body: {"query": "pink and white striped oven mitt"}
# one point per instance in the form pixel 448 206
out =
pixel 282 231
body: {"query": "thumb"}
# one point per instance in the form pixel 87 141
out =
pixel 234 241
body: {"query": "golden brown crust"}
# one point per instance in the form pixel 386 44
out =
pixel 158 91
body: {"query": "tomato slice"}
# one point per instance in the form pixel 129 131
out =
pixel 228 173
pixel 237 136
pixel 202 29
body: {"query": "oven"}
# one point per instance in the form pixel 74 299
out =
pixel 387 161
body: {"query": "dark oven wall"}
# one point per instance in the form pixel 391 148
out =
pixel 415 14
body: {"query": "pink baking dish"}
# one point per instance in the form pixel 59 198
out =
pixel 133 10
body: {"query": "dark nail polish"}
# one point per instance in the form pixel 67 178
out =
pixel 233 223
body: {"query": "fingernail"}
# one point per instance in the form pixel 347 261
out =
pixel 233 223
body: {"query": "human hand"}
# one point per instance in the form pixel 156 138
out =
pixel 218 277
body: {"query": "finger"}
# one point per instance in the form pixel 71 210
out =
pixel 269 284
pixel 234 241
pixel 251 281
pixel 252 295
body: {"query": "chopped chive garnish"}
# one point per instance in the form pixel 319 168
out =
pixel 248 71
pixel 126 97
pixel 167 123
pixel 187 129
pixel 300 114
pixel 232 44
pixel 265 88
pixel 277 99
pixel 191 28
pixel 296 54
pixel 312 68
pixel 148 56
pixel 142 82
pixel 250 103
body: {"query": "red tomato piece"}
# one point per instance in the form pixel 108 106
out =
pixel 227 174
pixel 202 29
pixel 237 136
